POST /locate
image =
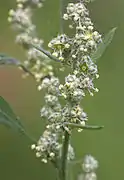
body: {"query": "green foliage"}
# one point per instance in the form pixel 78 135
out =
pixel 9 118
pixel 103 45
pixel 5 60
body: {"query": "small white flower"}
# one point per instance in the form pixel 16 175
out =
pixel 74 56
pixel 55 54
pixel 61 86
pixel 33 146
pixel 82 123
pixel 67 46
pixel 80 130
pixel 11 12
pixel 38 154
pixel 44 161
pixel 39 88
pixel 96 89
pixel 61 58
pixel 65 16
pixel 52 154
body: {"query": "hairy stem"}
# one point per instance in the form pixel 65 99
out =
pixel 63 165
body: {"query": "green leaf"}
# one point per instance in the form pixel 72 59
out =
pixel 103 45
pixel 9 118
pixel 6 60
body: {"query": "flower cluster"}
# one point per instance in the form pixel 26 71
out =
pixel 52 110
pixel 47 146
pixel 60 45
pixel 89 167
pixel 89 164
pixel 21 21
pixel 74 51
pixel 77 49
pixel 52 113
pixel 56 116
pixel 37 3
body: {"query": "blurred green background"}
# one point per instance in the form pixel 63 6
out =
pixel 17 161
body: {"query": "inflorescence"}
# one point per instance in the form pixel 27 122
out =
pixel 74 51
pixel 21 21
pixel 89 166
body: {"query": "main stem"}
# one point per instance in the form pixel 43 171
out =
pixel 63 165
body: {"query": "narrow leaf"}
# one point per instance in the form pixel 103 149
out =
pixel 9 118
pixel 103 45
pixel 5 60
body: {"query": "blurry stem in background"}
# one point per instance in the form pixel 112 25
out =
pixel 63 162
pixel 61 16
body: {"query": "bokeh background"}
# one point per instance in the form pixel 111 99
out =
pixel 17 161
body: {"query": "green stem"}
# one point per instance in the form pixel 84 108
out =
pixel 63 165
pixel 47 53
pixel 87 127
pixel 26 70
pixel 61 16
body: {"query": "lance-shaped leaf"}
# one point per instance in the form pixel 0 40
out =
pixel 6 60
pixel 103 45
pixel 9 118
